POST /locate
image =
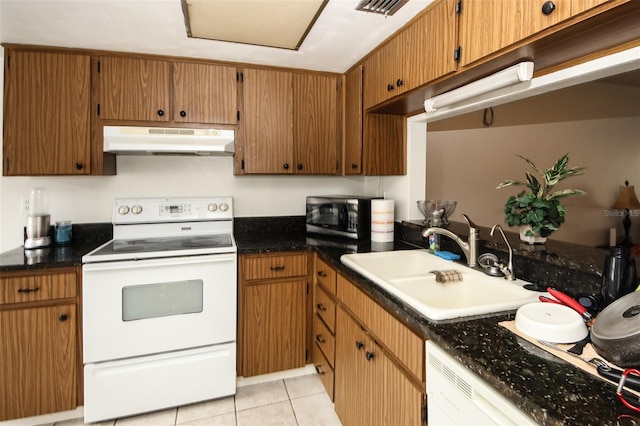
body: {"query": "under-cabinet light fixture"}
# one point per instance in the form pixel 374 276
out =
pixel 507 77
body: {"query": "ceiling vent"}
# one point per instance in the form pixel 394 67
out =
pixel 383 7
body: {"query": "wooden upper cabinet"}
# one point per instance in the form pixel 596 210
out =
pixel 489 26
pixel 382 73
pixel 290 122
pixel 46 113
pixel 420 53
pixel 204 93
pixel 353 122
pixel 134 89
pixel 267 121
pixel 315 122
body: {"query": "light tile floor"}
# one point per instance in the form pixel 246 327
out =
pixel 296 401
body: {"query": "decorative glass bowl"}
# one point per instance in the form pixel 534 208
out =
pixel 436 212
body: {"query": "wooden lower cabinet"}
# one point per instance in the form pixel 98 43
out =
pixel 273 312
pixel 39 353
pixel 275 327
pixel 369 387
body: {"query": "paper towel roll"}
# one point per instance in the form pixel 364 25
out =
pixel 382 220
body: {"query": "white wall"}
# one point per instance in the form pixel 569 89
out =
pixel 467 165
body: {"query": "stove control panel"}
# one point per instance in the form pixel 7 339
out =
pixel 158 210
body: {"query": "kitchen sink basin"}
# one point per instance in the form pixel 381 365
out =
pixel 405 273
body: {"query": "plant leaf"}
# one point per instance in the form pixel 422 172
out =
pixel 565 193
pixel 509 182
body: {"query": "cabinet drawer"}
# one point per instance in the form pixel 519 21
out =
pixel 326 276
pixel 325 372
pixel 274 266
pixel 35 288
pixel 326 308
pixel 324 339
pixel 406 345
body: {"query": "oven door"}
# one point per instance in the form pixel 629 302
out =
pixel 144 307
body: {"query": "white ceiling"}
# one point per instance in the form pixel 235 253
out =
pixel 340 37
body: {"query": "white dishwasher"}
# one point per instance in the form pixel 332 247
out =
pixel 457 396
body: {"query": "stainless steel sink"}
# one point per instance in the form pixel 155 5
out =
pixel 405 273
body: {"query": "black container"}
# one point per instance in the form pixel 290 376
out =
pixel 618 274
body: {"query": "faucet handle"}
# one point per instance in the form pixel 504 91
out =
pixel 472 225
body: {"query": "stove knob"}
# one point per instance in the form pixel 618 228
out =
pixel 224 207
pixel 123 210
pixel 212 207
pixel 137 209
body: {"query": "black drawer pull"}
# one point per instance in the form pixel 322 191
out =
pixel 277 268
pixel 321 307
pixel 320 339
pixel 369 355
pixel 322 274
pixel 63 317
pixel 28 290
pixel 319 370
pixel 359 345
pixel 548 7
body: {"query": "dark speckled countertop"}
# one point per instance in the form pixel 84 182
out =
pixel 549 389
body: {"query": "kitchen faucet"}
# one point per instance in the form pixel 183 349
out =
pixel 506 270
pixel 470 249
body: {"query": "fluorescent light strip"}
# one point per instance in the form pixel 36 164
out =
pixel 507 77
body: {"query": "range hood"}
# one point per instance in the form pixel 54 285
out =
pixel 161 140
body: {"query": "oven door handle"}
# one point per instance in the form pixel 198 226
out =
pixel 165 261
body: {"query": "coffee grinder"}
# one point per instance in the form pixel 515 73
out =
pixel 38 220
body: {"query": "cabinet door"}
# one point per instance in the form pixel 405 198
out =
pixel 274 326
pixel 384 146
pixel 315 120
pixel 484 29
pixel 134 89
pixel 353 122
pixel 382 71
pixel 428 45
pixel 204 93
pixel 350 372
pixel 38 359
pixel 46 114
pixel 267 121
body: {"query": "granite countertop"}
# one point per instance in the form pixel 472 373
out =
pixel 86 237
pixel 549 389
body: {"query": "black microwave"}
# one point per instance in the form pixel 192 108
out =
pixel 346 216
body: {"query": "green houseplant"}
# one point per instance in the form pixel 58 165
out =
pixel 538 212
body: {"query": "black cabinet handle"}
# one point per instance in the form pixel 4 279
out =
pixel 359 345
pixel 389 87
pixel 277 268
pixel 369 355
pixel 63 317
pixel 28 290
pixel 319 370
pixel 319 338
pixel 299 166
pixel 354 166
pixel 160 112
pixel 183 113
pixel 286 166
pixel 322 274
pixel 399 82
pixel 79 166
pixel 548 7
pixel 321 307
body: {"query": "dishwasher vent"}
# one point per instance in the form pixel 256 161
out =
pixel 383 7
pixel 447 372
